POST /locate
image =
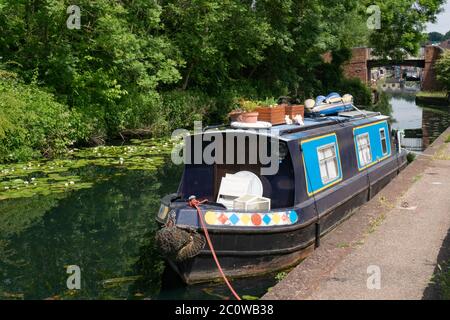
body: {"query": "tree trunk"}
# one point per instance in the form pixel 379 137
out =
pixel 188 75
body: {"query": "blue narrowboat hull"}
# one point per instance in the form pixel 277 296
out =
pixel 249 244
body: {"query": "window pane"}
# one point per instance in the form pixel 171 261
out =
pixel 321 155
pixel 332 169
pixel 323 171
pixel 328 163
pixel 364 153
pixel 329 152
pixel 384 146
pixel 367 155
pixel 383 141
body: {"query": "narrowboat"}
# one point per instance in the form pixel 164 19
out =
pixel 261 220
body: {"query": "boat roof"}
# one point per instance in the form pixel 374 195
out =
pixel 288 132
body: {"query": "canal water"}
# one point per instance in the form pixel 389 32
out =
pixel 96 211
pixel 422 123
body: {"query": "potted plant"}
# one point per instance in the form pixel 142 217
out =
pixel 270 111
pixel 245 111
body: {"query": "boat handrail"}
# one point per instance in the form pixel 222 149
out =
pixel 314 126
pixel 215 126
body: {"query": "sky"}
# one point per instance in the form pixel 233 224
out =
pixel 443 21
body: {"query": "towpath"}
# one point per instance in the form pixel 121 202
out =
pixel 389 248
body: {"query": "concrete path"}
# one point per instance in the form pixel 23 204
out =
pixel 395 256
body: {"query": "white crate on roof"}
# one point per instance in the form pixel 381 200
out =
pixel 251 203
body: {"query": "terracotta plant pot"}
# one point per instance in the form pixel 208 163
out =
pixel 248 117
pixel 274 115
pixel 295 109
pixel 234 115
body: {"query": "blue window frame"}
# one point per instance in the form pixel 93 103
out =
pixel 372 143
pixel 321 162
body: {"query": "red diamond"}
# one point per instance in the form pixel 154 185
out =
pixel 223 218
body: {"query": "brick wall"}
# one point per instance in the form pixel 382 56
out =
pixel 357 66
pixel 429 81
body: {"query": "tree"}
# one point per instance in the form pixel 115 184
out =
pixel 402 25
pixel 443 70
pixel 435 36
pixel 446 36
pixel 108 68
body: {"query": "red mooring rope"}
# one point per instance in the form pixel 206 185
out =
pixel 195 204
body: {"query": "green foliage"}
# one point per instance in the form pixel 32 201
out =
pixel 442 68
pixel 33 124
pixel 158 65
pixel 432 94
pixel 410 157
pixel 447 139
pixel 403 23
pixel 442 278
pixel 435 37
pixel 268 102
pixel 246 105
pixel 281 275
pixel 446 36
pixel 179 109
pixel 361 93
pixel 108 69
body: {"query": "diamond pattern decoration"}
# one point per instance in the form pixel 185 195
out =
pixel 234 219
pixel 223 218
pixel 267 219
pixel 247 219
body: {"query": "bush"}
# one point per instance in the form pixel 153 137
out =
pixel 443 70
pixel 179 109
pixel 360 92
pixel 33 124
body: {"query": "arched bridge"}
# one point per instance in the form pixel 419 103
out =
pixel 363 60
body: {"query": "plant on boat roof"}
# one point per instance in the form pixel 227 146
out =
pixel 268 102
pixel 246 105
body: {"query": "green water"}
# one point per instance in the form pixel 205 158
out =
pixel 95 210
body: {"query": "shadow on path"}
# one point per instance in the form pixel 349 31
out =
pixel 433 291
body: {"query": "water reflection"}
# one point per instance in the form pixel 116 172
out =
pixel 422 123
pixel 107 231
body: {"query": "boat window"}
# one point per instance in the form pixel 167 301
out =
pixel 364 152
pixel 328 163
pixel 383 140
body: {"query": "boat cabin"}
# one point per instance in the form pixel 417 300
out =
pixel 306 160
